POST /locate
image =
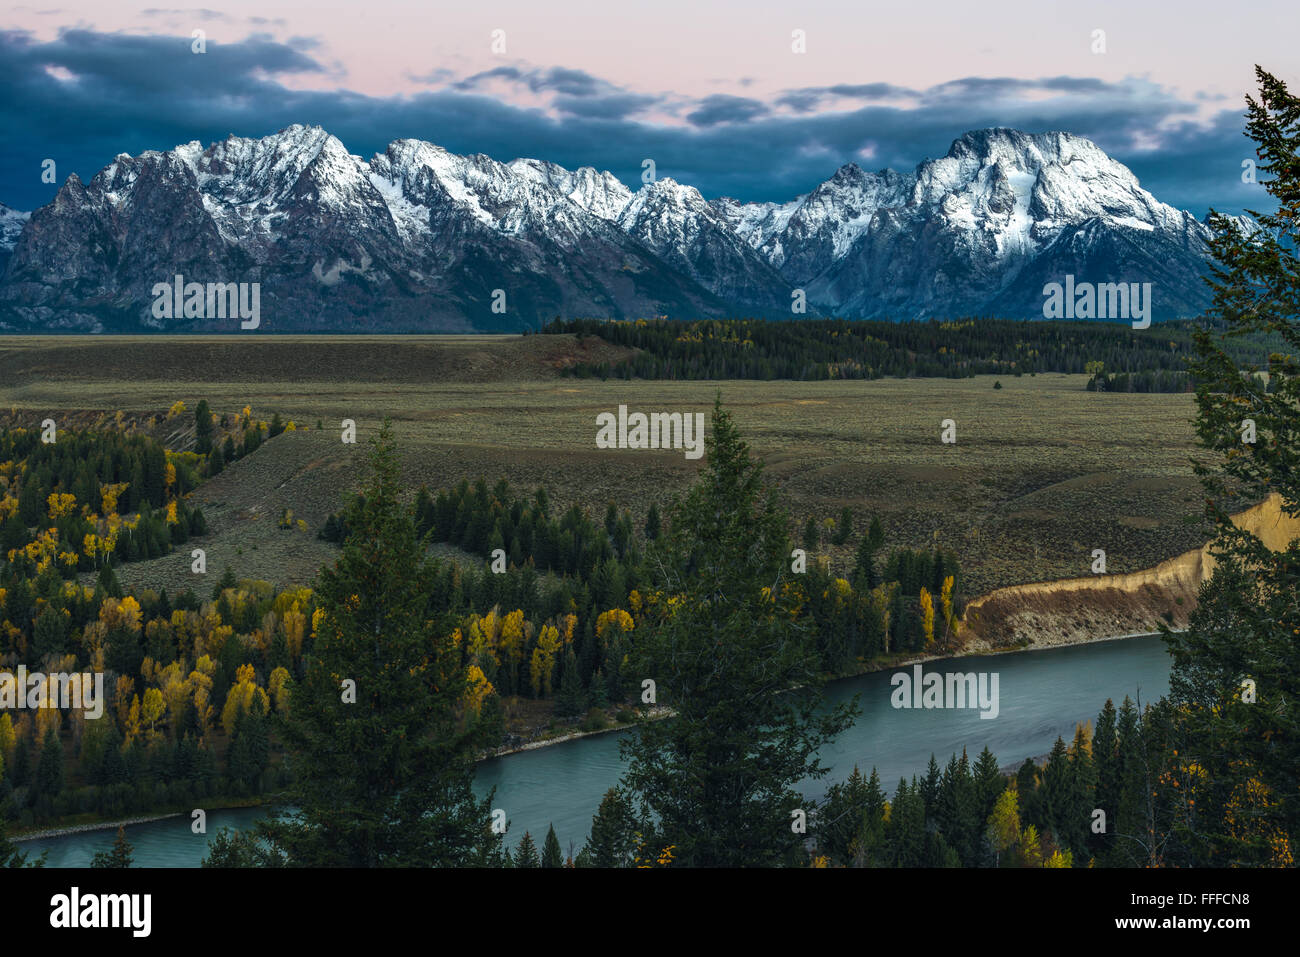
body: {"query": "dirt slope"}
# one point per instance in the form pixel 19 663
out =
pixel 1083 609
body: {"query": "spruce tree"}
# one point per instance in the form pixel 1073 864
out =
pixel 203 428
pixel 738 669
pixel 930 787
pixel 613 840
pixel 989 782
pixel 1083 782
pixel 526 853
pixel 905 832
pixel 850 819
pixel 552 856
pixel 49 770
pixel 844 527
pixel 120 855
pixel 652 524
pixel 1247 743
pixel 1106 762
pixel 1055 794
pixel 1027 792
pixel 385 779
pixel 10 856
pixel 571 700
pixel 811 535
pixel 865 576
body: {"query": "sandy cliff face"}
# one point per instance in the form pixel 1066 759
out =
pixel 1087 609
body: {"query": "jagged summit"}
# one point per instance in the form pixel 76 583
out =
pixel 418 237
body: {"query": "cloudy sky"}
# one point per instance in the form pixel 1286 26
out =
pixel 712 90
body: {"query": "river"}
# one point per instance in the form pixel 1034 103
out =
pixel 1042 694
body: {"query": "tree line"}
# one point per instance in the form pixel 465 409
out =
pixel 820 349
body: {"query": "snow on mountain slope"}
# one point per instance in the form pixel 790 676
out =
pixel 419 237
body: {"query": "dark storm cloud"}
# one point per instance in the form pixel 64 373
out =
pixel 85 97
pixel 723 108
pixel 614 106
pixel 554 80
pixel 809 98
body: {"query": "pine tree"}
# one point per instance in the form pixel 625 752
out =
pixel 1083 780
pixel 48 636
pixel 905 831
pixel 552 856
pixel 741 674
pixel 930 787
pixel 1055 794
pixel 203 428
pixel 865 576
pixel 571 700
pixel 1247 618
pixel 844 527
pixel 232 848
pixel 652 525
pixel 107 585
pixel 850 821
pixel 1027 792
pixel 613 839
pixel 989 782
pixel 49 769
pixel 10 856
pixel 526 852
pixel 1106 761
pixel 385 780
pixel 119 856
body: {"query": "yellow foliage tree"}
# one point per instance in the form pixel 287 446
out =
pixel 131 730
pixel 295 626
pixel 61 504
pixel 122 691
pixel 153 708
pixel 1031 847
pixel 945 602
pixel 615 619
pixel 1004 824
pixel 477 688
pixel 1060 858
pixel 927 617
pixel 542 667
pixel 240 698
pixel 278 686
pixel 109 495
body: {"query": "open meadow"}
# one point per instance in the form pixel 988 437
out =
pixel 1042 472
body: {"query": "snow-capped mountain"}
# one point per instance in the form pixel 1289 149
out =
pixel 415 238
pixel 11 225
pixel 676 223
pixel 418 238
pixel 1002 214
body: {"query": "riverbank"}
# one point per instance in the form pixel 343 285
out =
pixel 63 830
pixel 1077 610
pixel 969 651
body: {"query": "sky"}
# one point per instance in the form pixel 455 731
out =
pixel 754 99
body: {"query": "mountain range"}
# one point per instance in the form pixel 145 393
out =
pixel 420 239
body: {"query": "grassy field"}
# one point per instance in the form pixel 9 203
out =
pixel 1042 473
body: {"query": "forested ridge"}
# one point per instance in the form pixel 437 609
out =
pixel 819 349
